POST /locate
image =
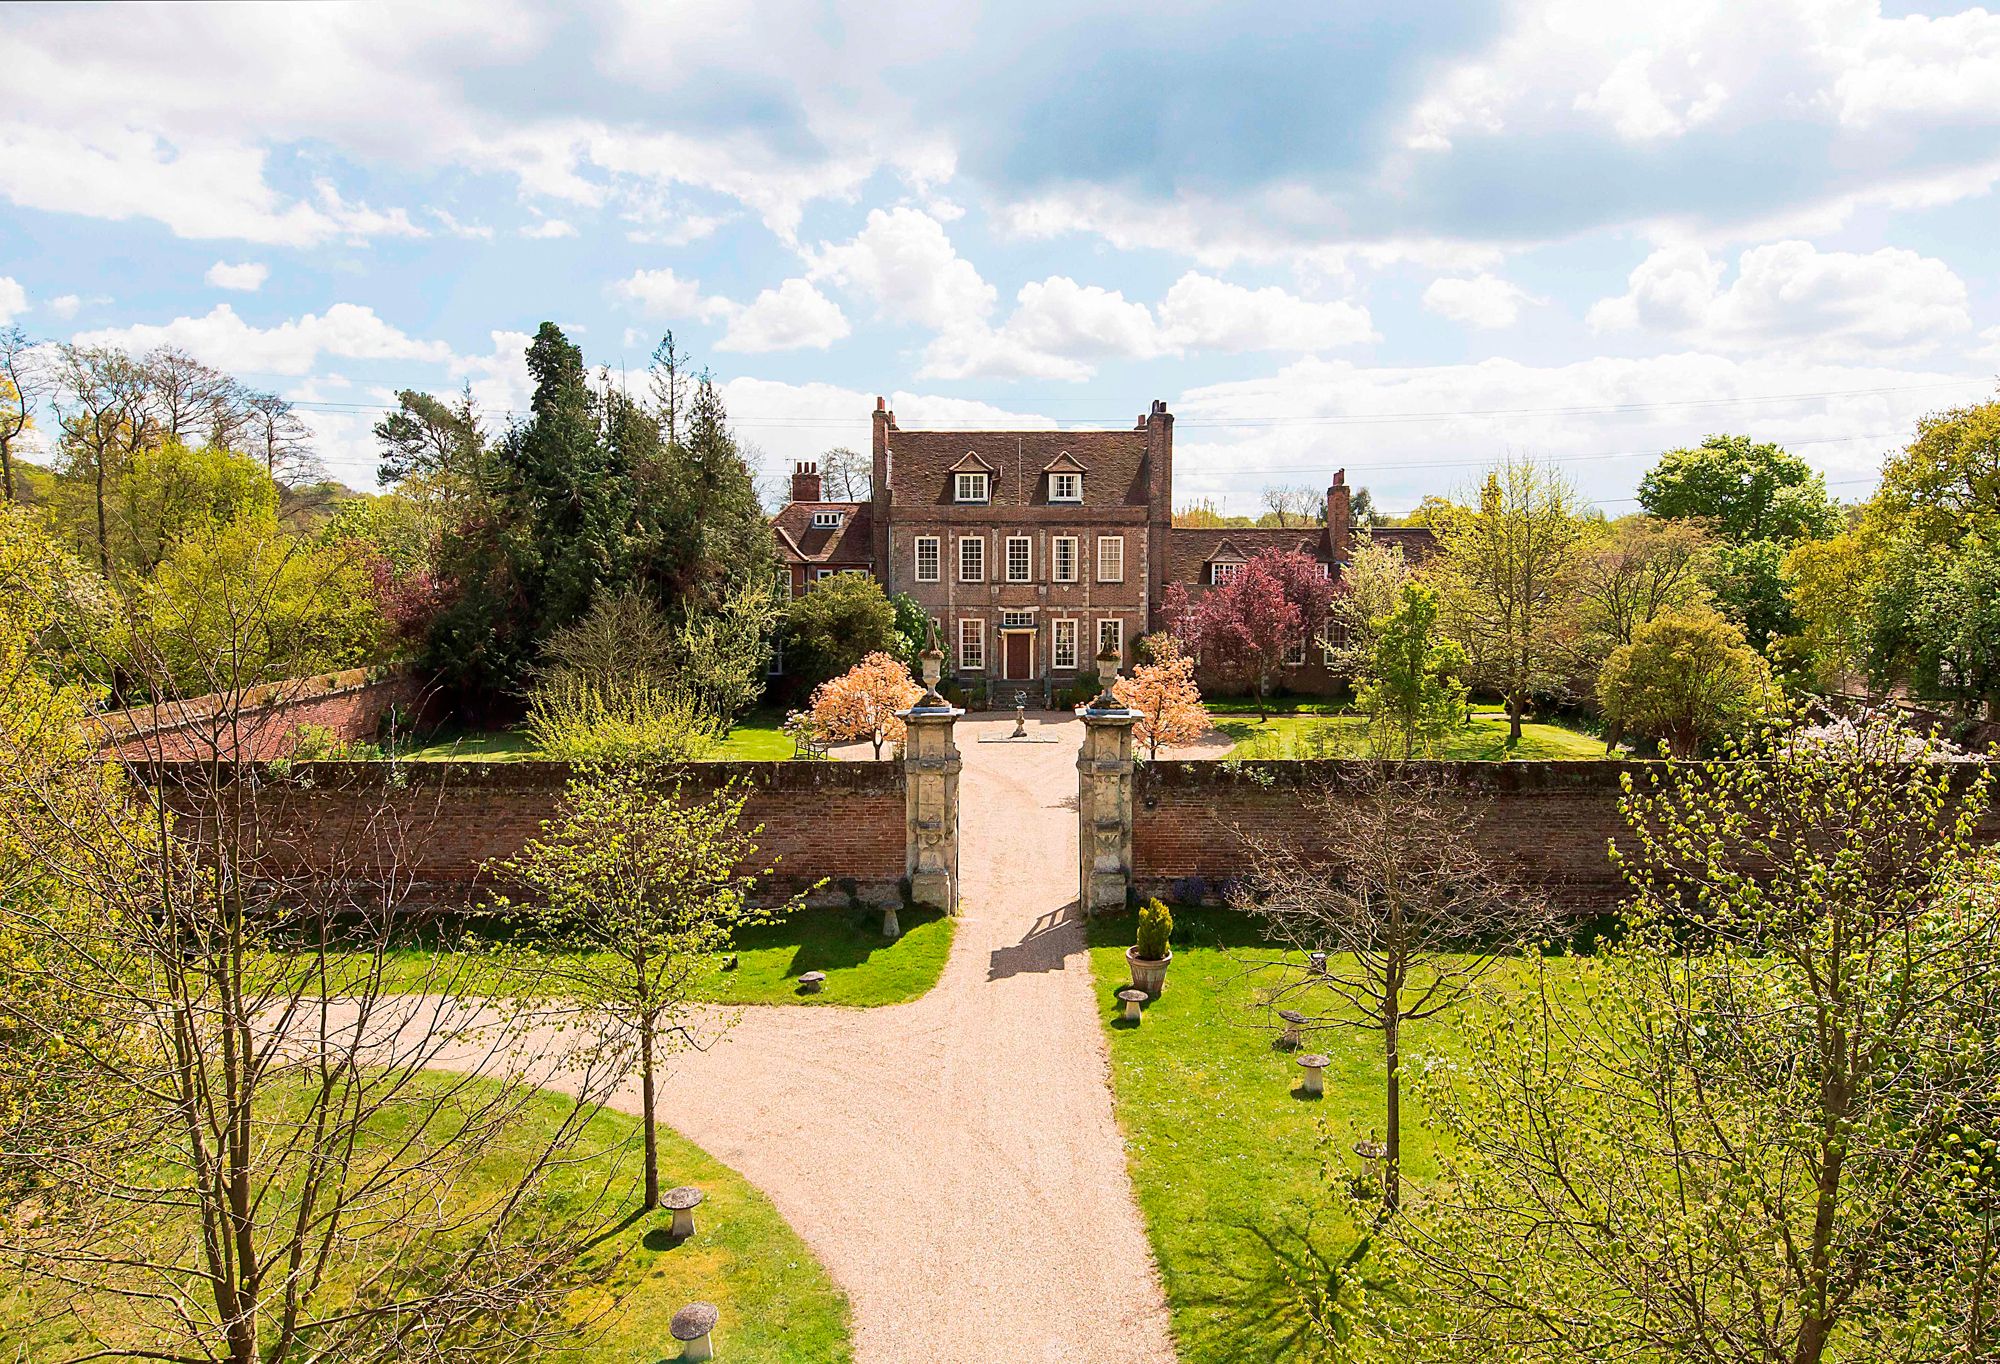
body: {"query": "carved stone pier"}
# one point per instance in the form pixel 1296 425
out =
pixel 931 766
pixel 1104 798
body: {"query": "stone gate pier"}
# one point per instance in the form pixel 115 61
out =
pixel 1104 797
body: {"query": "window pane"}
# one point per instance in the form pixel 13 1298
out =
pixel 1065 554
pixel 971 644
pixel 1111 558
pixel 972 559
pixel 1019 554
pixel 927 558
pixel 1065 644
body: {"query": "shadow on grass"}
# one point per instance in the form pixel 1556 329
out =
pixel 1280 1292
pixel 830 940
pixel 1224 929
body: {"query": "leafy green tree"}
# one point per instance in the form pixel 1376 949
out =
pixel 430 441
pixel 1759 1129
pixel 1830 585
pixel 169 492
pixel 735 535
pixel 1947 480
pixel 1747 490
pixel 1640 568
pixel 1412 693
pixel 1684 679
pixel 838 623
pixel 637 887
pixel 1748 583
pixel 1937 620
pixel 1371 588
pixel 913 627
pixel 1507 567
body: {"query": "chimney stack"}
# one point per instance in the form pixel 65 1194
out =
pixel 805 481
pixel 1339 518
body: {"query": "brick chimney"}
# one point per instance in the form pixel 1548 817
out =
pixel 1159 427
pixel 881 495
pixel 805 481
pixel 1339 518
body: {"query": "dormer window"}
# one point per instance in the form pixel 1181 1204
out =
pixel 1065 487
pixel 828 520
pixel 1222 573
pixel 971 488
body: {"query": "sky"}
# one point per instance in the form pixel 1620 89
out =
pixel 1400 239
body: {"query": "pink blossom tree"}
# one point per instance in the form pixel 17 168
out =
pixel 1244 629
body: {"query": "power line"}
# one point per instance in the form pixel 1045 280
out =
pixel 1649 453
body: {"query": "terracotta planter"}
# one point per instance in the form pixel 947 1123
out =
pixel 1147 974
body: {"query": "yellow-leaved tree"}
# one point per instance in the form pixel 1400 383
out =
pixel 1164 693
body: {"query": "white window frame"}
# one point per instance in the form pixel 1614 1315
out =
pixel 1117 624
pixel 971 644
pixel 1027 544
pixel 828 520
pixel 1062 637
pixel 936 547
pixel 980 575
pixel 820 575
pixel 1326 647
pixel 776 667
pixel 1220 573
pixel 1115 544
pixel 963 485
pixel 1056 567
pixel 783 582
pixel 1065 479
pixel 1295 657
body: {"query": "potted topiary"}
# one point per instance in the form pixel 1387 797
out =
pixel 1149 955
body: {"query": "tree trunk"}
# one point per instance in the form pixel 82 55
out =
pixel 646 1097
pixel 1392 1138
pixel 7 467
pixel 103 538
pixel 1515 705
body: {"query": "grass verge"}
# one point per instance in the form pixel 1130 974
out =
pixel 1303 734
pixel 757 737
pixel 777 1303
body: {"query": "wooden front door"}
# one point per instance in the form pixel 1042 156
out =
pixel 1020 651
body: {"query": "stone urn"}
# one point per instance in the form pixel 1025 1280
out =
pixel 1148 973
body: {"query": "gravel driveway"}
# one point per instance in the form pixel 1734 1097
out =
pixel 954 1161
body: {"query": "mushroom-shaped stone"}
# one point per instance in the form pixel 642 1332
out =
pixel 1293 1034
pixel 682 1201
pixel 1316 963
pixel 1315 1068
pixel 892 927
pixel 1133 1000
pixel 691 1326
pixel 811 982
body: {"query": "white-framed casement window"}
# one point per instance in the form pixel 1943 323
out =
pixel 1111 637
pixel 777 667
pixel 1295 657
pixel 929 557
pixel 1018 620
pixel 972 559
pixel 782 581
pixel 1062 550
pixel 1111 558
pixel 828 520
pixel 1065 487
pixel 1222 573
pixel 1020 559
pixel 969 488
pixel 971 644
pixel 1326 647
pixel 1326 572
pixel 1064 637
pixel 822 574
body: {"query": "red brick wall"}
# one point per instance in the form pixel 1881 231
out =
pixel 264 725
pixel 442 823
pixel 1550 823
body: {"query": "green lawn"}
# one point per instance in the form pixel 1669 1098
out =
pixel 1305 734
pixel 1230 1162
pixel 777 1303
pixel 758 736
pixel 862 968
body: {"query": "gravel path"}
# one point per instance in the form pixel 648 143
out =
pixel 953 1161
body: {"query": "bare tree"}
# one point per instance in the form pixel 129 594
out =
pixel 252 1148
pixel 105 407
pixel 845 475
pixel 1408 909
pixel 671 380
pixel 281 438
pixel 184 391
pixel 1295 507
pixel 25 380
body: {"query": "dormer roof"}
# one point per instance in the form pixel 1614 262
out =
pixel 971 463
pixel 1064 463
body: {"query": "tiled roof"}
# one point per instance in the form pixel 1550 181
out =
pixel 1114 465
pixel 1417 541
pixel 800 542
pixel 1190 551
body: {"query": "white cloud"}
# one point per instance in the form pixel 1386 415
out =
pixel 65 306
pixel 1204 313
pixel 1058 326
pixel 1485 301
pixel 500 381
pixel 223 339
pixel 790 317
pixel 548 229
pixel 13 299
pixel 247 276
pixel 662 293
pixel 1822 301
pixel 1405 431
pixel 1946 66
pixel 477 232
pixel 903 260
pixel 1637 107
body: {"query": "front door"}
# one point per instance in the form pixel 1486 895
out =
pixel 1020 655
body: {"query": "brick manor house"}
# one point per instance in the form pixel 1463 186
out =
pixel 1036 550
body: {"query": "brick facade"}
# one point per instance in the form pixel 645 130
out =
pixel 264 724
pixel 1073 545
pixel 441 824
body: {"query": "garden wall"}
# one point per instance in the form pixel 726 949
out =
pixel 262 725
pixel 1550 824
pixel 438 825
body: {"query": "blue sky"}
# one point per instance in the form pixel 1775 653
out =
pixel 1403 239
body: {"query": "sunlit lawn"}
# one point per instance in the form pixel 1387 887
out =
pixel 862 967
pixel 1306 734
pixel 757 737
pixel 1229 1160
pixel 777 1303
